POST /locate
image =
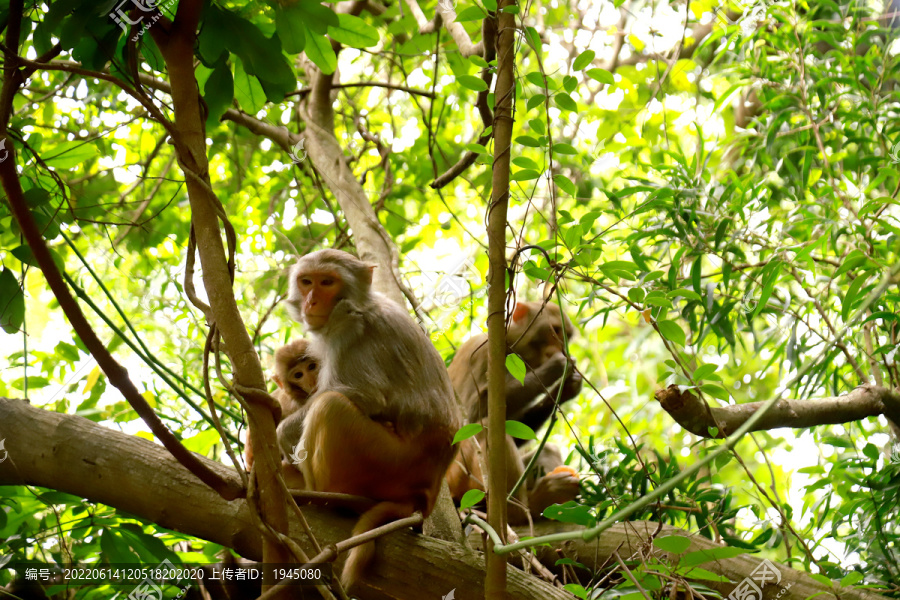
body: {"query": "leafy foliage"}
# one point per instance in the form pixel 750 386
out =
pixel 716 202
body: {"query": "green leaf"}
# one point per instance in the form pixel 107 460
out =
pixel 471 13
pixel 467 431
pixel 520 431
pixel 354 32
pixel 12 303
pixel 851 261
pixel 852 578
pixel 317 18
pixel 319 50
pixel 525 175
pixel 516 367
pixel 525 163
pixel 247 89
pixel 852 295
pixel 601 75
pixel 565 102
pixel 696 274
pixel 672 332
pixel 563 148
pixel 218 93
pixel 534 38
pixel 703 371
pixel 527 140
pixel 491 5
pixel 69 154
pixel 576 590
pixel 262 56
pixel 676 544
pixel 471 498
pixel 36 197
pixel 536 100
pixel 565 184
pixel 535 78
pixel 583 60
pixel 570 512
pixel 477 148
pixel 698 573
pixel 771 272
pixel 884 316
pixel 25 255
pixel 659 301
pixel 289 25
pixel 686 294
pixel 716 391
pixel 471 82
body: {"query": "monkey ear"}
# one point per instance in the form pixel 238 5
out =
pixel 367 274
pixel 519 312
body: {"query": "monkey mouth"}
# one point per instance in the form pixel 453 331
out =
pixel 315 321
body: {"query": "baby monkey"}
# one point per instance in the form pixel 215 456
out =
pixel 296 375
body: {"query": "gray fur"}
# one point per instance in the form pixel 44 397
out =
pixel 374 353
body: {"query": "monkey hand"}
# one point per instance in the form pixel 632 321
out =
pixel 557 487
pixel 572 385
pixel 552 370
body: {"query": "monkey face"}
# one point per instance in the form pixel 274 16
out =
pixel 320 292
pixel 537 332
pixel 305 376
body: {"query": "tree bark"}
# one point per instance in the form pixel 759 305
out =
pixel 176 44
pixel 496 581
pixel 634 537
pixel 74 455
pixel 698 417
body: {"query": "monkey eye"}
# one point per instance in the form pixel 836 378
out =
pixel 305 281
pixel 558 331
pixel 312 366
pixel 327 281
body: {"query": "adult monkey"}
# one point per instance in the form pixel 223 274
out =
pixel 381 424
pixel 536 332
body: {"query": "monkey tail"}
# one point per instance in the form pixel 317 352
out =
pixel 359 557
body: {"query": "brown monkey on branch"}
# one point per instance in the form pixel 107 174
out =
pixel 381 424
pixel 535 333
pixel 296 375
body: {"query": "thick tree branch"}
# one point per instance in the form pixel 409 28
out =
pixel 115 372
pixel 447 16
pixel 72 454
pixel 633 539
pixel 373 243
pixel 698 417
pixel 176 44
